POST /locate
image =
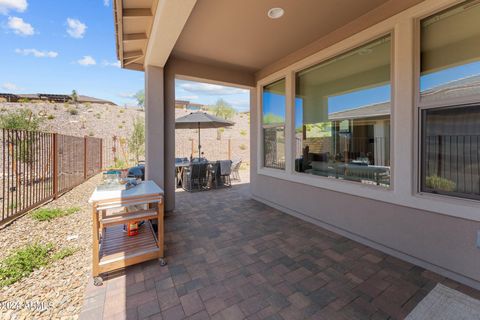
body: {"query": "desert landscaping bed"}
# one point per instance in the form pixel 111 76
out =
pixel 55 290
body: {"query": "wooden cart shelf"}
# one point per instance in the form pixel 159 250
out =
pixel 112 247
pixel 127 217
pixel 118 248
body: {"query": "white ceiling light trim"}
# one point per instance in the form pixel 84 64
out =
pixel 275 13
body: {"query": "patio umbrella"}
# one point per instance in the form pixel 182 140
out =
pixel 201 120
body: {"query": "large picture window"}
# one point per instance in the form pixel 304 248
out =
pixel 273 125
pixel 342 116
pixel 450 72
pixel 450 54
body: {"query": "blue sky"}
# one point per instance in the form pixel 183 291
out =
pixel 55 46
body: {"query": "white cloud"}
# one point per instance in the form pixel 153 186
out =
pixel 106 63
pixel 106 3
pixel 241 104
pixel 209 89
pixel 188 98
pixel 76 28
pixel 12 87
pixel 87 61
pixel 127 95
pixel 17 5
pixel 20 27
pixel 37 53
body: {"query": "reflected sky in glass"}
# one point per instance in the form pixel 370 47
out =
pixel 435 79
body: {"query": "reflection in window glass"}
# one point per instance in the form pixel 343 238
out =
pixel 451 151
pixel 273 124
pixel 342 116
pixel 450 53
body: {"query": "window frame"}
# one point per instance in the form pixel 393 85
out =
pixel 389 34
pixel 421 106
pixel 404 27
pixel 261 141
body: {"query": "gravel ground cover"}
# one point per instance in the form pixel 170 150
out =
pixel 54 291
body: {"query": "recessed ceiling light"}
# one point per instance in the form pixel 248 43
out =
pixel 275 13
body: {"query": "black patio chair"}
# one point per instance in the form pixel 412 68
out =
pixel 220 173
pixel 195 176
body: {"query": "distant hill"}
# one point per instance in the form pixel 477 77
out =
pixel 106 121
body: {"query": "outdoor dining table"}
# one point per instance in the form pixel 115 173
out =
pixel 112 247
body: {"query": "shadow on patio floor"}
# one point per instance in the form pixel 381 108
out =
pixel 230 257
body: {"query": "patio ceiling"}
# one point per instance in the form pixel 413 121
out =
pixel 234 33
pixel 133 24
pixel 240 32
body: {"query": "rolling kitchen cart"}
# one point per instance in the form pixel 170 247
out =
pixel 112 248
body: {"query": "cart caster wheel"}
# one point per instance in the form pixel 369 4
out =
pixel 97 281
pixel 163 262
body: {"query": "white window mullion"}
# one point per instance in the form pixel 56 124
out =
pixel 403 108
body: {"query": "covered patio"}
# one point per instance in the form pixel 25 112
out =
pixel 231 257
pixel 342 214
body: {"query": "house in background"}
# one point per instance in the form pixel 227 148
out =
pixel 310 66
pixel 48 97
pixel 190 106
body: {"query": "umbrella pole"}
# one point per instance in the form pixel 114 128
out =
pixel 199 146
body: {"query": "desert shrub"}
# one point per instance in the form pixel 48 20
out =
pixel 91 134
pixel 24 100
pixel 50 117
pixel 74 96
pixel 121 111
pixel 223 109
pixel 63 253
pixel 23 119
pixel 242 147
pixel 119 164
pixel 22 262
pixel 47 214
pixel 140 96
pixel 243 132
pixel 120 126
pixel 73 111
pixel 219 133
pixel 88 105
pixel 438 183
pixel 136 141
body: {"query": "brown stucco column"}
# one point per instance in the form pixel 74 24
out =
pixel 253 139
pixel 169 131
pixel 154 125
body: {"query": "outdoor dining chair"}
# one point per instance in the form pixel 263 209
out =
pixel 235 175
pixel 195 176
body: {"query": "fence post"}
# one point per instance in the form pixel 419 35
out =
pixel 191 154
pixel 229 149
pixel 101 155
pixel 84 158
pixel 55 165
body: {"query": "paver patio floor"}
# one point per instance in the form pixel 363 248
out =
pixel 230 257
